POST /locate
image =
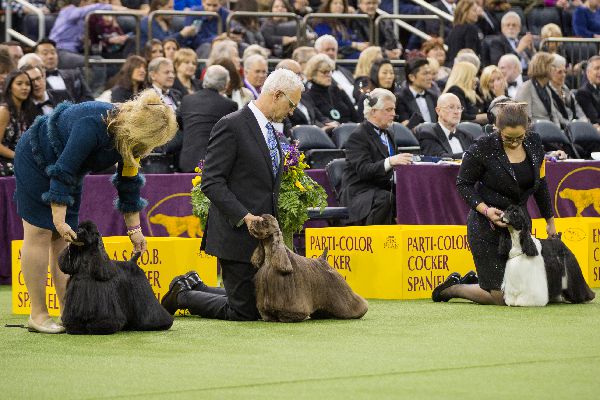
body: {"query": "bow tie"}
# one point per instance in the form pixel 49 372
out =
pixel 51 72
pixel 420 95
pixel 512 84
pixel 45 103
pixel 452 135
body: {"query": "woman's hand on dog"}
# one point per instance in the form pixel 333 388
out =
pixel 139 242
pixel 495 215
pixel 65 231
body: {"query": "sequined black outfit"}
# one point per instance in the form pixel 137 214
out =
pixel 486 175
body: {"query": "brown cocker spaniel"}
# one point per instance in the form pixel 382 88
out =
pixel 291 288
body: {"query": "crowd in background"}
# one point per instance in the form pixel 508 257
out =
pixel 488 52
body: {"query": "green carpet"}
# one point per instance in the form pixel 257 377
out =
pixel 400 349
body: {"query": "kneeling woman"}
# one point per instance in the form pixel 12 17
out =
pixel 52 158
pixel 499 170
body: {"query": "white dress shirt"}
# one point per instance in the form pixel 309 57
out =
pixel 454 142
pixel 512 90
pixel 56 82
pixel 422 104
pixel 343 83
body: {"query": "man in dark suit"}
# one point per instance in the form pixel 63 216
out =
pixel 444 140
pixel 200 112
pixel 588 96
pixel 415 102
pixel 241 178
pixel 509 43
pixel 64 84
pixel 368 182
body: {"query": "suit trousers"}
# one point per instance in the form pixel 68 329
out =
pixel 236 303
pixel 382 209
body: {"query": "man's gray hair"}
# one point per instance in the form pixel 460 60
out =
pixel 468 57
pixel 249 62
pixel 558 61
pixel 324 39
pixel 156 63
pixel 30 59
pixel 509 15
pixel 592 60
pixel 282 80
pixel 514 60
pixel 216 77
pixel 377 97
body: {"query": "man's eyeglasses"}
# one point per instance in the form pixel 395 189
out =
pixel 516 140
pixel 290 102
pixel 453 108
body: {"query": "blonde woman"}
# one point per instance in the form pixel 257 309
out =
pixel 492 84
pixel 362 83
pixel 185 64
pixel 550 31
pixel 52 158
pixel 462 82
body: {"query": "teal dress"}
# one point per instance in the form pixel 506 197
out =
pixel 54 155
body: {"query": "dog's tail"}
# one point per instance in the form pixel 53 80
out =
pixel 135 257
pixel 324 255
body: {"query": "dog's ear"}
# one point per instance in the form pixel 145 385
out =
pixel 505 243
pixel 281 260
pixel 258 256
pixel 527 243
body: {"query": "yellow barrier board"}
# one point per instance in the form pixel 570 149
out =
pixel 165 258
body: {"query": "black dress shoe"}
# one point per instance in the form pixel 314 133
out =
pixel 169 301
pixel 451 280
pixel 470 278
pixel 194 280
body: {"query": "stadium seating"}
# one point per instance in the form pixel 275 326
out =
pixel 316 145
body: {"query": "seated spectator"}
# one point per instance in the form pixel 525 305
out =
pixel 432 27
pixel 550 31
pixel 510 66
pixel 42 101
pixel 107 37
pixel 235 89
pixel 465 33
pixel 367 182
pixel 492 84
pixel 415 102
pixel 301 7
pixel 586 20
pixel 16 115
pixel 343 78
pixel 536 91
pixel 225 49
pixel 333 102
pixel 14 50
pixel 64 84
pixel 462 83
pixel 246 30
pixel 162 77
pixel 130 80
pixel 185 65
pixel 382 75
pixel 302 54
pixel 280 32
pixel 362 71
pixel 444 139
pixel 153 49
pixel 206 28
pixel 434 48
pixel 387 37
pixel 563 100
pixel 488 23
pixel 588 95
pixel 200 111
pixel 6 64
pixel 161 26
pixel 305 113
pixel 255 73
pixel 509 43
pixel 170 47
pixel 338 28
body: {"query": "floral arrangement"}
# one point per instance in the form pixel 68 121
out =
pixel 298 192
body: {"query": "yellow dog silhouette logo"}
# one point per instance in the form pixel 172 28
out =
pixel 176 226
pixel 582 199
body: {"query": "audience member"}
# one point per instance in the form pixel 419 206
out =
pixel 225 49
pixel 130 80
pixel 586 20
pixel 492 84
pixel 510 66
pixel 333 102
pixel 185 65
pixel 302 54
pixel 381 75
pixel 107 38
pixel 387 37
pixel 170 47
pixel 255 73
pixel 509 43
pixel 462 83
pixel 444 139
pixel 563 100
pixel 362 71
pixel 247 28
pixel 488 23
pixel 162 77
pixel 588 95
pixel 415 102
pixel 465 33
pixel 16 115
pixel 235 90
pixel 338 28
pixel 280 33
pixel 161 25
pixel 6 64
pixel 550 31
pixel 42 101
pixel 206 28
pixel 15 50
pixel 434 48
pixel 200 112
pixel 368 188
pixel 342 77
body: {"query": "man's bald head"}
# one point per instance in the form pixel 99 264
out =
pixel 449 111
pixel 447 98
pixel 291 65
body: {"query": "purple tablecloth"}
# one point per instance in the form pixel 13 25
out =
pixel 426 194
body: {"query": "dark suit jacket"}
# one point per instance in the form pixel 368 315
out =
pixel 364 173
pixel 466 36
pixel 435 143
pixel 406 104
pixel 238 180
pixel 589 102
pixel 485 27
pixel 77 89
pixel 200 112
pixel 177 85
pixel 500 46
pixel 387 38
pixel 315 115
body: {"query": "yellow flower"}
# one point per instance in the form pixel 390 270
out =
pixel 299 186
pixel 197 169
pixel 196 181
pixel 301 158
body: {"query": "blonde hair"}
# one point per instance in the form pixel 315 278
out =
pixel 462 10
pixel 486 77
pixel 550 30
pixel 315 63
pixel 365 60
pixel 140 125
pixel 182 55
pixel 540 65
pixel 462 75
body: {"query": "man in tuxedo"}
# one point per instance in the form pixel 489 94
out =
pixel 444 140
pixel 416 101
pixel 342 77
pixel 42 100
pixel 509 43
pixel 241 178
pixel 200 112
pixel 510 66
pixel 255 73
pixel 64 84
pixel 368 181
pixel 588 96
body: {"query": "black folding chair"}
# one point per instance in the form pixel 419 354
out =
pixel 316 145
pixel 473 129
pixel 341 134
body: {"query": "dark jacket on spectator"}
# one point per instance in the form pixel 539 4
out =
pixel 406 104
pixel 77 89
pixel 500 46
pixel 435 143
pixel 467 36
pixel 588 98
pixel 329 98
pixel 315 116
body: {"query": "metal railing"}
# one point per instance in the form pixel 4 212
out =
pixel 434 10
pixel 11 33
pixel 307 17
pixel 157 13
pixel 260 14
pixel 400 20
pixel 574 50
